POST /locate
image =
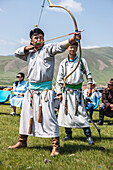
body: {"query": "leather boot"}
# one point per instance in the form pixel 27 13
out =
pixel 56 146
pixel 87 132
pixel 22 143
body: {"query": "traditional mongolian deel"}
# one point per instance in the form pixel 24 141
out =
pixel 72 96
pixel 40 72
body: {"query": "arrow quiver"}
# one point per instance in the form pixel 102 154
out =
pixel 30 126
pixel 40 114
pixel 66 111
pixel 31 117
pixel 40 110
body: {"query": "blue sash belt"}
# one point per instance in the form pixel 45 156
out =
pixel 47 85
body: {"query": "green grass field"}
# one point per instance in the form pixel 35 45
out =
pixel 75 154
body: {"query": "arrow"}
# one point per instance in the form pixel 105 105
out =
pixel 58 37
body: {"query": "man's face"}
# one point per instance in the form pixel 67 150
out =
pixel 72 49
pixel 37 39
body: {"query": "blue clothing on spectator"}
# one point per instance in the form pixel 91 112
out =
pixel 20 88
pixel 90 108
pixel 92 101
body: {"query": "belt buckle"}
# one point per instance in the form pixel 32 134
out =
pixel 71 91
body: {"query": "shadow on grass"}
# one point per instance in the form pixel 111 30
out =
pixel 40 147
pixel 105 121
pixel 85 140
pixel 108 122
pixel 97 138
pixel 4 103
pixel 69 149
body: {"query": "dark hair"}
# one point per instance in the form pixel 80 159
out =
pixel 75 44
pixel 22 75
pixel 16 83
pixel 35 32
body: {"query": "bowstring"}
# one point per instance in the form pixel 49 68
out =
pixel 41 13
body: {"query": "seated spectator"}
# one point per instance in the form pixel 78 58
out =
pixel 19 88
pixel 91 100
pixel 106 107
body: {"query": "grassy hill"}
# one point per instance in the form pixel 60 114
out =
pixel 9 67
pixel 100 62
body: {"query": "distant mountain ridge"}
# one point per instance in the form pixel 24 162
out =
pixel 100 62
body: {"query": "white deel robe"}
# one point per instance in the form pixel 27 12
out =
pixel 71 120
pixel 40 69
pixel 49 126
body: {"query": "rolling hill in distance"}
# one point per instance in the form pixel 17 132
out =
pixel 100 62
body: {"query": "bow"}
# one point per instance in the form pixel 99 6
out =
pixel 76 30
pixel 80 53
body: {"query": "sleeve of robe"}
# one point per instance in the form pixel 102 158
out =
pixel 60 79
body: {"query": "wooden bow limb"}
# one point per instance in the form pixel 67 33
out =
pixel 57 6
pixel 65 107
pixel 76 30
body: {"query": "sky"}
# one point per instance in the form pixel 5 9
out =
pixel 18 17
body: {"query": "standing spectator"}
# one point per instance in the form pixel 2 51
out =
pixel 72 111
pixel 106 107
pixel 19 88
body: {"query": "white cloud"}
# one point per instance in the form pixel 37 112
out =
pixel 89 47
pixel 23 41
pixel 72 5
pixel 4 42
